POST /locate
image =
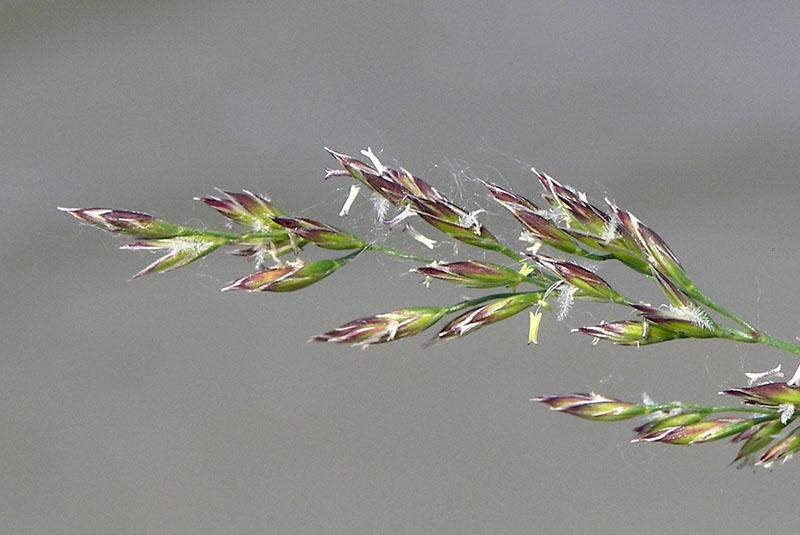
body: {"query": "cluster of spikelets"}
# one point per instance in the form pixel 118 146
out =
pixel 761 423
pixel 568 223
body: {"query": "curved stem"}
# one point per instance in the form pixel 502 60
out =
pixel 508 252
pixel 753 336
pixel 698 296
pixel 764 338
pixel 399 254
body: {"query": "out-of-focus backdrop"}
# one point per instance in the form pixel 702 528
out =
pixel 164 406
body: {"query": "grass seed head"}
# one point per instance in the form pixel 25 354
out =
pixel 758 438
pixel 580 214
pixel 180 251
pixel 289 277
pixel 629 333
pixel 593 407
pixel 491 312
pixel 127 222
pixel 384 327
pixel 249 210
pixel 589 283
pixel 698 432
pixel 783 450
pixel 472 274
pixel 320 234
pixel 769 394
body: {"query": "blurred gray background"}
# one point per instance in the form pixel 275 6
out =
pixel 164 406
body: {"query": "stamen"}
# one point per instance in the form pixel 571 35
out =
pixel 754 377
pixel 533 327
pixel 376 163
pixel 424 240
pixel 351 197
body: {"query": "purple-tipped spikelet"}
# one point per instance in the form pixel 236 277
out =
pixel 127 222
pixel 393 185
pixel 783 450
pixel 259 249
pixel 181 251
pixel 288 277
pixel 656 251
pixel 590 284
pixel 473 274
pixel 352 166
pixel 440 209
pixel 699 432
pixel 320 234
pixel 418 197
pixel 578 223
pixel 455 222
pixel 629 333
pixel 770 394
pixel 669 421
pixel 688 321
pixel 491 312
pixel 250 210
pixel 574 207
pixel 472 234
pixel 377 180
pixel 594 407
pixel 415 186
pixel 757 438
pixel 682 316
pixel 513 202
pixel 527 214
pixel 384 327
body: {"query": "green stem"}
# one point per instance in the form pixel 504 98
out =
pixel 352 255
pixel 764 338
pixel 510 253
pixel 734 335
pixel 399 254
pixel 753 336
pixel 698 296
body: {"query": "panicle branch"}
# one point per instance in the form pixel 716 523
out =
pixel 762 424
pixel 569 223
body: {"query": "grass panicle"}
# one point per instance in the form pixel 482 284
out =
pixel 574 228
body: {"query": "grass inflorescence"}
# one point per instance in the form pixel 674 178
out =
pixel 575 229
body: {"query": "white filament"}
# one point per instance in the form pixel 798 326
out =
pixel 351 197
pixel 754 377
pixel 424 240
pixel 376 163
